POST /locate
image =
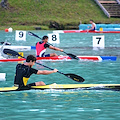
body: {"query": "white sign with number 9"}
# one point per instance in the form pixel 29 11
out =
pixel 20 35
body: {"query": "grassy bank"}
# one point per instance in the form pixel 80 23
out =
pixel 51 14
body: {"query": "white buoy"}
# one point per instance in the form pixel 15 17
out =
pixel 2 76
pixel 10 29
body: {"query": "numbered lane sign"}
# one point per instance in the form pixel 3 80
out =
pixel 20 35
pixel 98 41
pixel 54 38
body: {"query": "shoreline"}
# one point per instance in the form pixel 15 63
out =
pixel 41 27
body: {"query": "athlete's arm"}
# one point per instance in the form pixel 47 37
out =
pixel 55 48
pixel 93 26
pixel 46 72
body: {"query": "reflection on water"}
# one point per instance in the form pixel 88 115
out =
pixel 61 105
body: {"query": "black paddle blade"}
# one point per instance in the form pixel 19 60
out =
pixel 72 56
pixel 32 34
pixel 11 52
pixel 75 77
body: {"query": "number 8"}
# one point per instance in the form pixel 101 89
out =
pixel 54 37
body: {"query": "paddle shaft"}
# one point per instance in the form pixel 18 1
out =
pixel 69 75
pixel 42 65
pixel 48 67
pixel 45 66
pixel 69 54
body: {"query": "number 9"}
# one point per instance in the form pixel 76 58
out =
pixel 21 34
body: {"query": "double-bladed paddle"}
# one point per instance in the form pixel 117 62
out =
pixel 69 75
pixel 69 54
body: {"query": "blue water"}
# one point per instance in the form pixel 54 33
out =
pixel 65 105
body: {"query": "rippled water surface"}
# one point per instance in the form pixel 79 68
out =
pixel 65 105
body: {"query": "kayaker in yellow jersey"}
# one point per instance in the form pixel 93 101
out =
pixel 43 45
pixel 25 70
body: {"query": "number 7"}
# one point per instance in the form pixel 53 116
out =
pixel 99 38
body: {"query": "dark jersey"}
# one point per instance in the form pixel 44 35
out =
pixel 23 73
pixel 46 45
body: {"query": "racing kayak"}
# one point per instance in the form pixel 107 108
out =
pixel 55 86
pixel 83 31
pixel 92 58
